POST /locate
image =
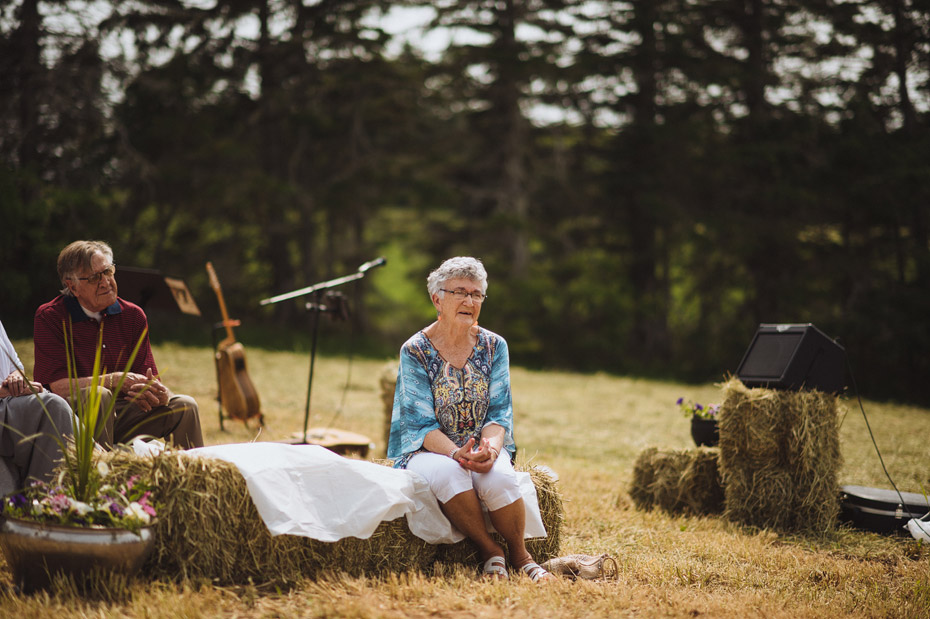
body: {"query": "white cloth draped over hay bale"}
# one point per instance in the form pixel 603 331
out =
pixel 678 481
pixel 209 525
pixel 308 490
pixel 780 457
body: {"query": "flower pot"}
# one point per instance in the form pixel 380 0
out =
pixel 704 431
pixel 36 551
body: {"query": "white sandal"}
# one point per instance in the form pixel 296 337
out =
pixel 536 572
pixel 496 567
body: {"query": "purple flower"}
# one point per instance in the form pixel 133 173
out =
pixel 698 407
pixel 116 510
pixel 19 500
pixel 679 401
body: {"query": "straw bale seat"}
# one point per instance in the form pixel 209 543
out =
pixel 208 528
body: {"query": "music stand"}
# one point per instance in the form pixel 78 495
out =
pixel 148 288
pixel 339 441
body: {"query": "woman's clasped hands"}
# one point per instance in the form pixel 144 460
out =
pixel 477 456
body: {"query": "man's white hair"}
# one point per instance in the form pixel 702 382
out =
pixel 78 257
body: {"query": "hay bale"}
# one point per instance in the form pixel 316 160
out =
pixel 678 481
pixel 702 489
pixel 552 512
pixel 759 497
pixel 209 528
pixel 643 476
pixel 780 457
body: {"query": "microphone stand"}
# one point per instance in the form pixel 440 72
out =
pixel 338 307
pixel 317 308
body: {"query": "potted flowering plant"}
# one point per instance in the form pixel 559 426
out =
pixel 127 505
pixel 704 429
pixel 83 523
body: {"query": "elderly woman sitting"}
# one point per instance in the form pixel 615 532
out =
pixel 452 420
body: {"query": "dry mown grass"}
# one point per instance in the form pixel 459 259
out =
pixel 590 429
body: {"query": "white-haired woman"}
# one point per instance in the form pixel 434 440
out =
pixel 452 420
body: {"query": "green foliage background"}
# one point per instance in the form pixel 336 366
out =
pixel 713 164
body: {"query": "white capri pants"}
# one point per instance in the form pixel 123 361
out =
pixel 447 478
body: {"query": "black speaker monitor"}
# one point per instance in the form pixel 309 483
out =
pixel 793 356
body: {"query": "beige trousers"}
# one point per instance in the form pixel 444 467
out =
pixel 178 422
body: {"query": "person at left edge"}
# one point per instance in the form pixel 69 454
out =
pixel 89 300
pixel 33 424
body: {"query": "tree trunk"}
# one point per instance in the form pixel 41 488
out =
pixel 649 331
pixel 29 79
pixel 512 199
pixel 757 68
pixel 901 52
pixel 274 162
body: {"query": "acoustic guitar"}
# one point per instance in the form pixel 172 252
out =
pixel 237 394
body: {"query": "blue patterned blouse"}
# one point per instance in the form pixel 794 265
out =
pixel 432 394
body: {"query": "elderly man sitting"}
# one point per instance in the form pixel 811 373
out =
pixel 89 303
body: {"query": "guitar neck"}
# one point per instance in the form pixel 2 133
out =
pixel 215 284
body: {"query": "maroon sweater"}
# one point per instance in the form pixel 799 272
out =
pixel 122 324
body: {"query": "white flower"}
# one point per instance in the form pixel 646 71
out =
pixel 103 469
pixel 81 507
pixel 136 511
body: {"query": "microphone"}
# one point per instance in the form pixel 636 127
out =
pixel 377 262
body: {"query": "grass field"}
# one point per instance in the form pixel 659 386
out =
pixel 588 428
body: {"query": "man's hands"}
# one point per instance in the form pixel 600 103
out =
pixel 16 385
pixel 147 391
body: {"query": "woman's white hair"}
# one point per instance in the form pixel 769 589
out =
pixel 460 267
